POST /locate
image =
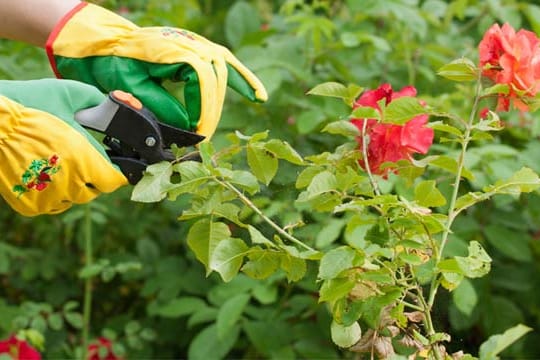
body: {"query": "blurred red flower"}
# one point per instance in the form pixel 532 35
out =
pixel 18 349
pixel 390 142
pixel 512 58
pixel 94 352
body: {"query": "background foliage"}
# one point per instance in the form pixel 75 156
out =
pixel 152 296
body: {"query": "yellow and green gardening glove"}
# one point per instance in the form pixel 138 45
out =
pixel 101 48
pixel 49 162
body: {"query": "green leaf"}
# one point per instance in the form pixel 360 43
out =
pixel 365 112
pixel 263 163
pixel 268 337
pixel 253 138
pixel 503 89
pixel 477 263
pixel 511 243
pixel 440 126
pixel 155 183
pixel 193 174
pixel 70 305
pixel 493 123
pixel 342 127
pixel 201 316
pixel 265 293
pixel 465 297
pixel 306 176
pixel 180 307
pixel 93 269
pixel 229 314
pixel 450 266
pixel 451 165
pixel 206 149
pixel 227 211
pixel 203 238
pixel 330 232
pixel 427 194
pixel 330 89
pixel 295 268
pixel 411 259
pixel 403 109
pixel 208 345
pixel 258 238
pixel 241 20
pixel 74 319
pixel 321 183
pixel 55 321
pixel 459 70
pixel 283 150
pixel 469 199
pixel 246 180
pixel 345 336
pixel 227 257
pixel 524 180
pixel 334 289
pixel 378 276
pixel 335 261
pixel 261 264
pixel 491 348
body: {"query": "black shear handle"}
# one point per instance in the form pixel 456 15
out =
pixel 132 169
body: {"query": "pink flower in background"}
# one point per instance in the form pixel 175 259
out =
pixel 512 58
pixel 391 142
pixel 18 349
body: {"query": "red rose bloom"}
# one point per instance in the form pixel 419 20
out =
pixel 18 349
pixel 94 353
pixel 512 58
pixel 390 142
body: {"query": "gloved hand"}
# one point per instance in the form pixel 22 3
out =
pixel 48 160
pixel 98 47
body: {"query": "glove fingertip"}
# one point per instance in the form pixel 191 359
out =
pixel 246 84
pixel 261 95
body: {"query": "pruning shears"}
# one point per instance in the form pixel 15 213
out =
pixel 134 136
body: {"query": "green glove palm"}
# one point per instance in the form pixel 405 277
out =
pixel 101 48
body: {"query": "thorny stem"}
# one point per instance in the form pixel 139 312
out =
pixel 366 161
pixel 452 213
pixel 88 259
pixel 252 206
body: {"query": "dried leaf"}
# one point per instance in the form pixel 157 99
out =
pixel 363 290
pixel 415 316
pixel 394 330
pixel 410 341
pixel 383 347
pixel 365 344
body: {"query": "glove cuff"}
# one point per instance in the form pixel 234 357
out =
pixel 56 31
pixel 86 30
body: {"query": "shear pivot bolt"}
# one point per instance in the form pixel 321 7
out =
pixel 150 141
